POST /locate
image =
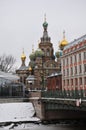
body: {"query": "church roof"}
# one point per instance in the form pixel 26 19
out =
pixel 30 77
pixel 7 77
pixel 23 68
pixel 54 74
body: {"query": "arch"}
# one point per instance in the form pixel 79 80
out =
pixel 48 52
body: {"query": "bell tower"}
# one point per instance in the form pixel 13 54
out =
pixel 45 43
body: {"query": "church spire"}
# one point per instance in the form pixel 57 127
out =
pixel 45 18
pixel 32 48
pixel 45 37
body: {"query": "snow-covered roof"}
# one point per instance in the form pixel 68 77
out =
pixel 54 74
pixel 30 77
pixel 7 77
pixel 23 68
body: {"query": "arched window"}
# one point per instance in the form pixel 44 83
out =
pixel 48 52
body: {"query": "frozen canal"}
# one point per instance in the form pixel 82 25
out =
pixel 15 113
pixel 33 126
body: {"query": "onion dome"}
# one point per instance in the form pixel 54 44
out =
pixel 39 53
pixel 45 37
pixel 58 53
pixel 32 56
pixel 64 42
pixel 30 69
pixel 45 24
pixel 23 57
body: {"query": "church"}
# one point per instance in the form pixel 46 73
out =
pixel 42 62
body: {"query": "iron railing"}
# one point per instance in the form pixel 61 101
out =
pixel 75 94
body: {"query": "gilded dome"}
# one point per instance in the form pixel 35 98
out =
pixel 23 57
pixel 30 69
pixel 64 42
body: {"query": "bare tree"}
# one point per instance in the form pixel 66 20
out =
pixel 7 62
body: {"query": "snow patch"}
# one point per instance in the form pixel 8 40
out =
pixel 14 112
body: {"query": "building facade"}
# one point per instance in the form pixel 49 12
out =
pixel 73 64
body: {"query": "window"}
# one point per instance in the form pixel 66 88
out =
pixel 85 80
pixel 48 52
pixel 84 67
pixel 80 81
pixel 75 69
pixel 67 71
pixel 64 72
pixel 75 58
pixel 71 82
pixel 64 83
pixel 84 55
pixel 80 57
pixel 68 82
pixel 71 71
pixel 64 62
pixel 71 59
pixel 67 61
pixel 80 69
pixel 76 81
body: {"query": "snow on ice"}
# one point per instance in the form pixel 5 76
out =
pixel 15 112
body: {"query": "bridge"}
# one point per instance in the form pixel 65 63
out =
pixel 73 100
pixel 59 104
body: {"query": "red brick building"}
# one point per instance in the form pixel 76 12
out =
pixel 54 81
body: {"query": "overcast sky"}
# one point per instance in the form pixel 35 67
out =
pixel 21 24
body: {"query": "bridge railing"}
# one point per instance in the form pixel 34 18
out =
pixel 65 94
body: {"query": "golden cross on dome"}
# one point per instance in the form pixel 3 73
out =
pixel 23 51
pixel 64 34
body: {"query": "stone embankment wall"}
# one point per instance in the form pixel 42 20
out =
pixel 10 100
pixel 35 98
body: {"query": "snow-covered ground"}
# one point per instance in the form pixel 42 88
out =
pixel 15 112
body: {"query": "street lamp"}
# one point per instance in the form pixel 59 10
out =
pixel 43 75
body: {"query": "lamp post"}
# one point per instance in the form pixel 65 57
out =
pixel 30 73
pixel 43 76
